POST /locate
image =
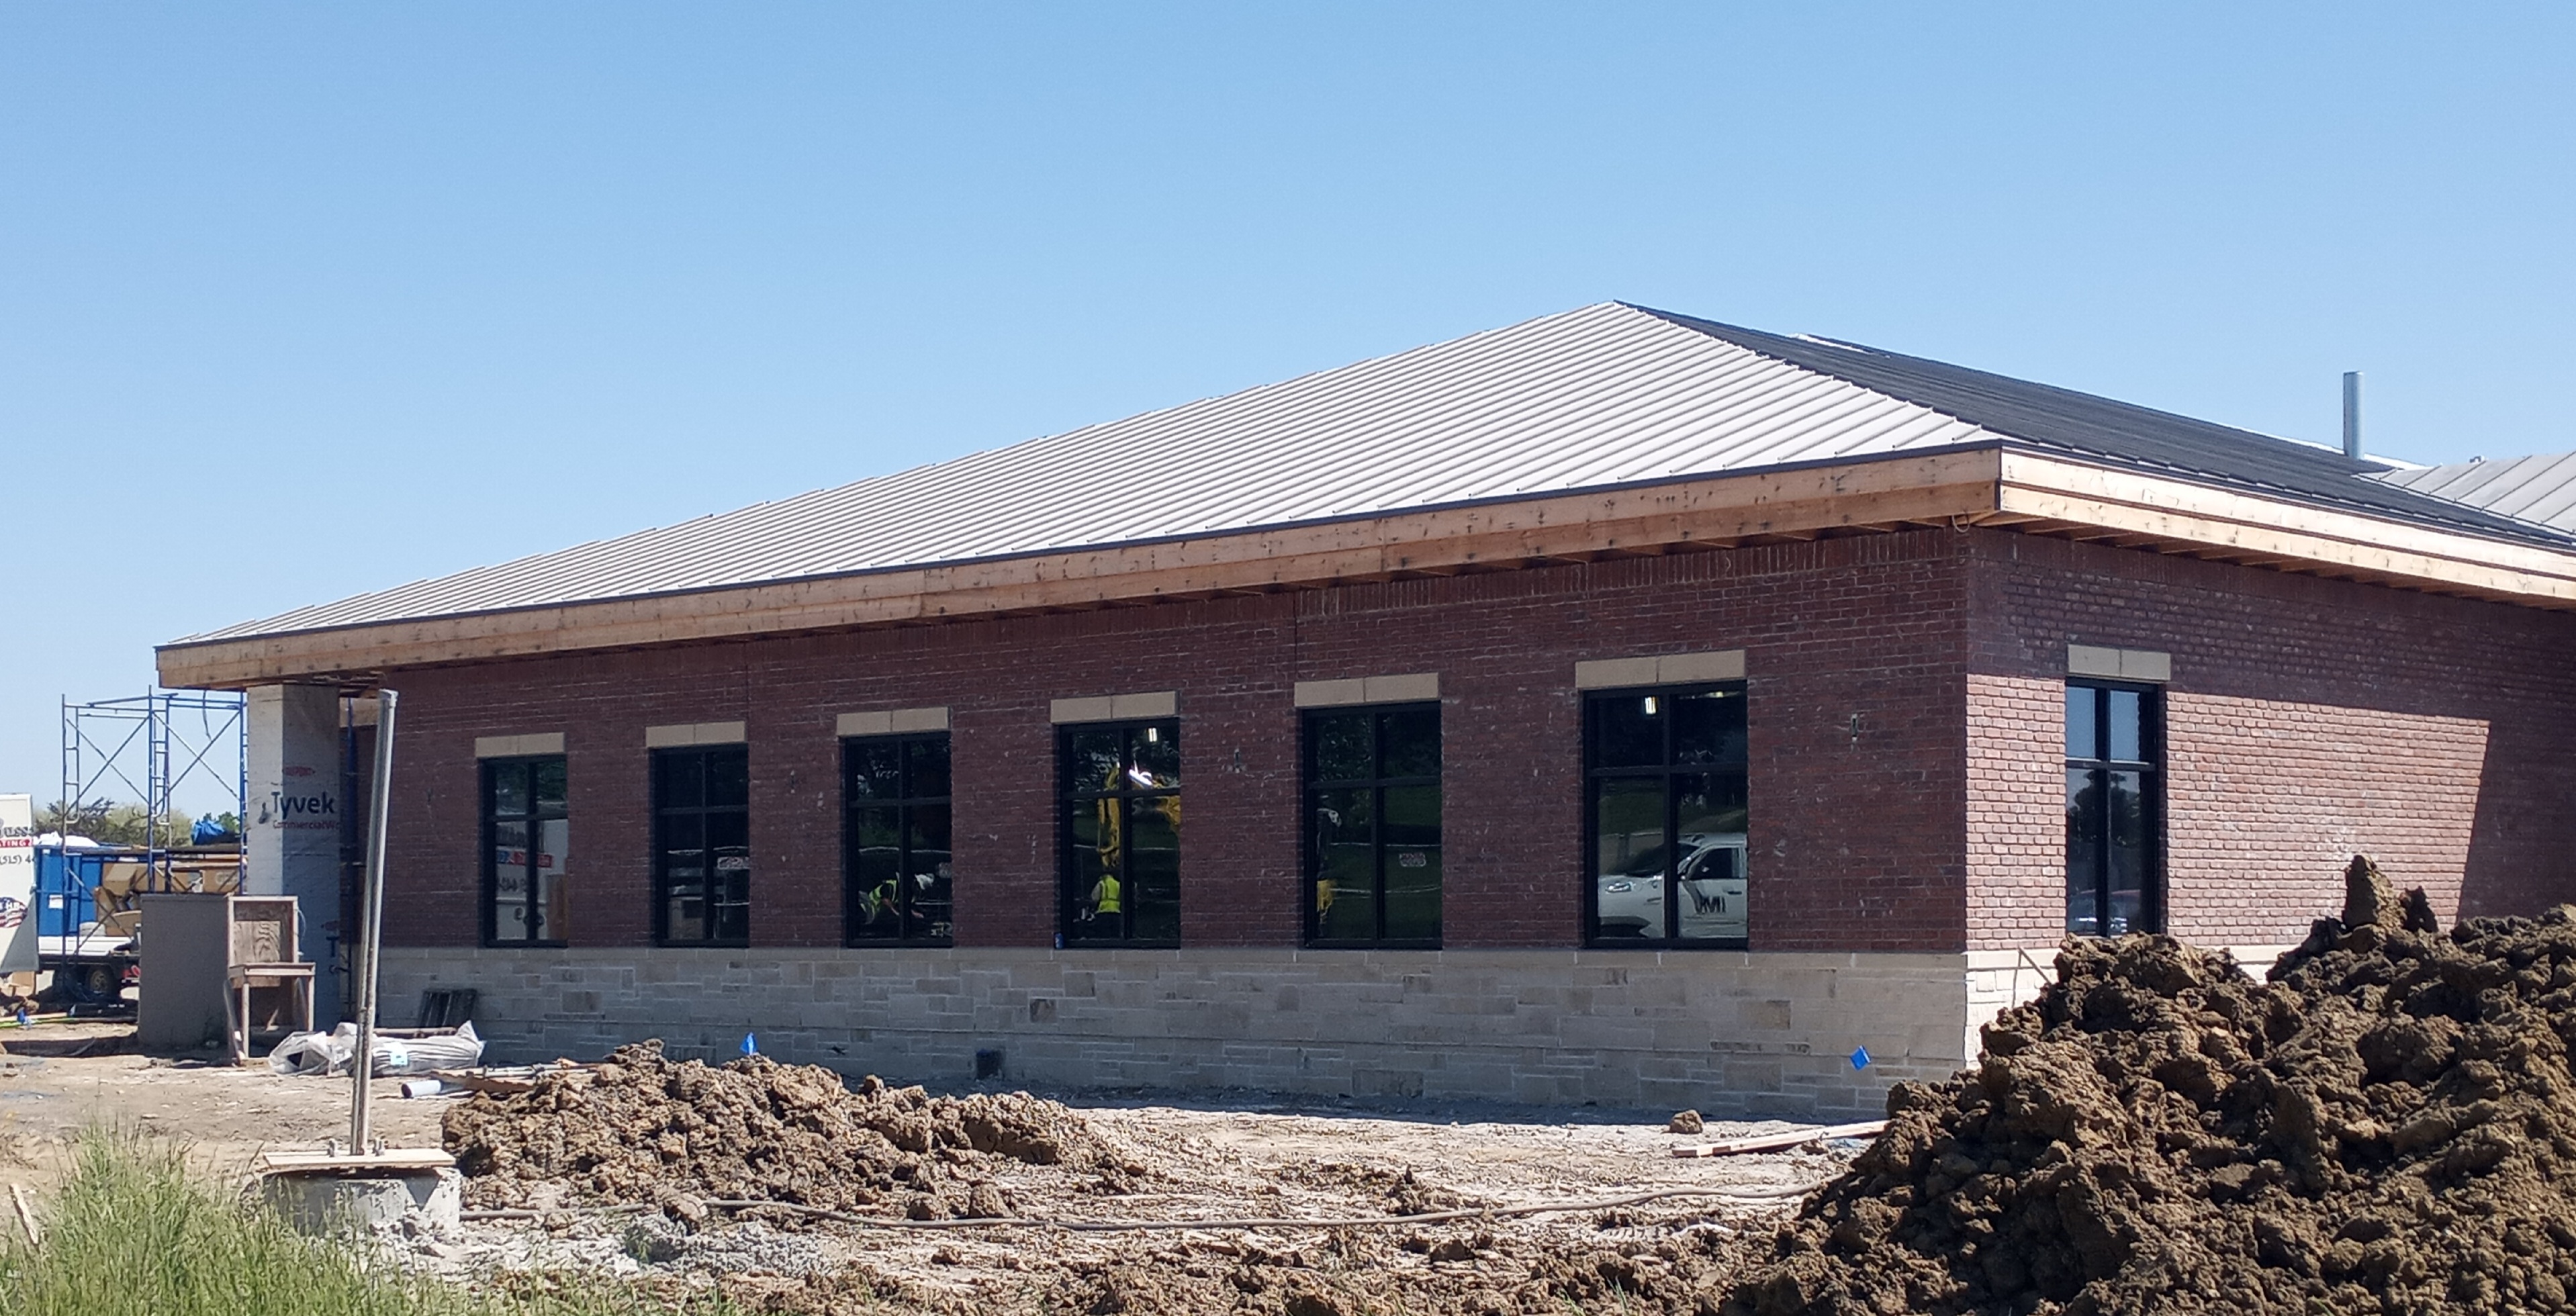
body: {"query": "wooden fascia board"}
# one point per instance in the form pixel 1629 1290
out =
pixel 1883 491
pixel 2186 513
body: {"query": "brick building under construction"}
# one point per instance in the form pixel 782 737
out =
pixel 1614 707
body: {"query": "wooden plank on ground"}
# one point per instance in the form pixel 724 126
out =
pixel 311 1162
pixel 1763 1142
pixel 503 1082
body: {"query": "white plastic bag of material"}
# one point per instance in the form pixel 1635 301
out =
pixel 328 1053
pixel 314 1053
pixel 461 1049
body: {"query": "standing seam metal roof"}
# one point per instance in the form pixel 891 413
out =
pixel 1602 395
pixel 1606 394
pixel 2541 489
pixel 2047 417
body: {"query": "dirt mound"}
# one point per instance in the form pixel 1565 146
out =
pixel 1350 1273
pixel 2382 1127
pixel 643 1128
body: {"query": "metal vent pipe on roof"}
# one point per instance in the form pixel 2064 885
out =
pixel 2352 414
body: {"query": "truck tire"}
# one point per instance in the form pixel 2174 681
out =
pixel 93 984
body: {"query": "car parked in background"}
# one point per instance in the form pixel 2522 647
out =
pixel 1709 876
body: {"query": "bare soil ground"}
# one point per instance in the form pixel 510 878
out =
pixel 62 1076
pixel 1173 1159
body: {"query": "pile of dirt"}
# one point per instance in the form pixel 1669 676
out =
pixel 641 1127
pixel 1449 1272
pixel 2382 1127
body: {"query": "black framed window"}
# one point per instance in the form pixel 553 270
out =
pixel 1373 826
pixel 526 844
pixel 2114 808
pixel 702 846
pixel 1121 784
pixel 1664 777
pixel 898 887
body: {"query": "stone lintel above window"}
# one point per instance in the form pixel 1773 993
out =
pixel 2119 664
pixel 1408 688
pixel 1116 708
pixel 514 747
pixel 681 735
pixel 892 722
pixel 1667 669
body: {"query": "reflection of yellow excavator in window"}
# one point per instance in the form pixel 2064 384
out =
pixel 1106 896
pixel 1112 838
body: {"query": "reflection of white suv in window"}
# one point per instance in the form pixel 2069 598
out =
pixel 1630 903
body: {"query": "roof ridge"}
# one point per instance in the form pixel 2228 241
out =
pixel 2070 420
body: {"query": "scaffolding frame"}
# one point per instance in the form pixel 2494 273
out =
pixel 180 737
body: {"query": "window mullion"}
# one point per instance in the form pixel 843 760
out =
pixel 1377 854
pixel 2102 848
pixel 1672 846
pixel 2102 804
pixel 2111 841
pixel 1672 826
pixel 1377 825
pixel 903 848
pixel 2100 781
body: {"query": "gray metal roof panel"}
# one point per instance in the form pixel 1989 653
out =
pixel 1602 395
pixel 2123 433
pixel 1605 394
pixel 2539 489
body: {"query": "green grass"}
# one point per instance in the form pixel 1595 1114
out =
pixel 134 1231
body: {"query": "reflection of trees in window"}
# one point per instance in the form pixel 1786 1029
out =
pixel 1666 816
pixel 897 881
pixel 2114 758
pixel 702 846
pixel 1373 826
pixel 526 844
pixel 1121 784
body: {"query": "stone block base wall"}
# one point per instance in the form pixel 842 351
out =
pixel 1732 1034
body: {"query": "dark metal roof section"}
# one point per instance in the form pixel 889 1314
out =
pixel 2123 434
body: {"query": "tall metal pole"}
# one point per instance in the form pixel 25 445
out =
pixel 2352 414
pixel 371 918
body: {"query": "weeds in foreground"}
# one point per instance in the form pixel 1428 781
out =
pixel 133 1231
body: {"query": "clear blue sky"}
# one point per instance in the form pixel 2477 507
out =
pixel 299 301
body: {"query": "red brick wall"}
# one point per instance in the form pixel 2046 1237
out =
pixel 2016 789
pixel 2308 719
pixel 1854 655
pixel 1905 725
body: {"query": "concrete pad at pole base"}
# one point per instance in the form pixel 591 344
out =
pixel 331 1201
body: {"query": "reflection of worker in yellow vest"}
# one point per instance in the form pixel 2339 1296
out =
pixel 1104 897
pixel 1107 894
pixel 879 904
pixel 1328 824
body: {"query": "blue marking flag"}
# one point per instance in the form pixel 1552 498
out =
pixel 749 1047
pixel 1859 1057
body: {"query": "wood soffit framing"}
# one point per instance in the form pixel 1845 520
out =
pixel 1999 487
